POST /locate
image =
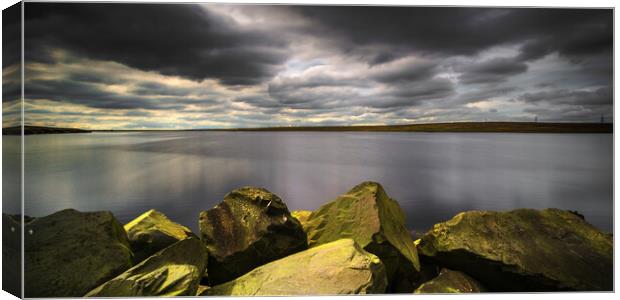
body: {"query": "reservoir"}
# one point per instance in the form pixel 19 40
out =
pixel 433 176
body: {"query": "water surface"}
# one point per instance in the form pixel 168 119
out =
pixel 432 175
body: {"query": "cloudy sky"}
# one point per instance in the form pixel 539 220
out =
pixel 132 66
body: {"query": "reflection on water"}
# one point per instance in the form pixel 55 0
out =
pixel 432 175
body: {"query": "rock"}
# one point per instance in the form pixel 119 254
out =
pixel 69 253
pixel 450 281
pixel 153 231
pixel 376 222
pixel 340 267
pixel 524 250
pixel 202 290
pixel 249 228
pixel 11 254
pixel 173 271
pixel 301 216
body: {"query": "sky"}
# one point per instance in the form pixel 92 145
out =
pixel 181 66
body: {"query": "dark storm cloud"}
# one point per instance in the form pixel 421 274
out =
pixel 11 90
pixel 317 65
pixel 156 88
pixel 93 78
pixel 601 96
pixel 11 33
pixel 95 96
pixel 492 70
pixel 466 31
pixel 405 72
pixel 180 40
pixel 423 90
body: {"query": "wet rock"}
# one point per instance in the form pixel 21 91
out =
pixel 377 223
pixel 449 281
pixel 69 253
pixel 340 267
pixel 153 231
pixel 524 250
pixel 249 228
pixel 174 271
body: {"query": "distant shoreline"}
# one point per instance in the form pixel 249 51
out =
pixel 508 127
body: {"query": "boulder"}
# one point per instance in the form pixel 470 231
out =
pixel 301 216
pixel 173 271
pixel 523 250
pixel 69 253
pixel 340 267
pixel 202 290
pixel 449 281
pixel 377 223
pixel 249 228
pixel 11 254
pixel 153 231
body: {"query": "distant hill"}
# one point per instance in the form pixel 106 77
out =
pixel 516 127
pixel 17 130
pixel 523 127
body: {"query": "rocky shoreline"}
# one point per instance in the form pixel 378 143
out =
pixel 251 244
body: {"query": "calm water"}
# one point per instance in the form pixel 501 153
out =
pixel 432 175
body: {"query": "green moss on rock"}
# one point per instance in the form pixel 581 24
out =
pixel 174 271
pixel 524 250
pixel 449 281
pixel 377 223
pixel 153 231
pixel 68 253
pixel 339 267
pixel 251 227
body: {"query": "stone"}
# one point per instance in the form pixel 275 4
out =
pixel 202 290
pixel 524 250
pixel 251 227
pixel 339 267
pixel 376 222
pixel 69 253
pixel 173 271
pixel 302 216
pixel 449 281
pixel 11 254
pixel 152 232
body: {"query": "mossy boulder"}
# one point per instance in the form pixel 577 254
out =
pixel 173 271
pixel 340 267
pixel 251 227
pixel 69 253
pixel 153 231
pixel 449 281
pixel 523 250
pixel 377 223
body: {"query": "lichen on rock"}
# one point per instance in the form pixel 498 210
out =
pixel 68 253
pixel 173 271
pixel 339 267
pixel 524 250
pixel 376 222
pixel 449 281
pixel 153 231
